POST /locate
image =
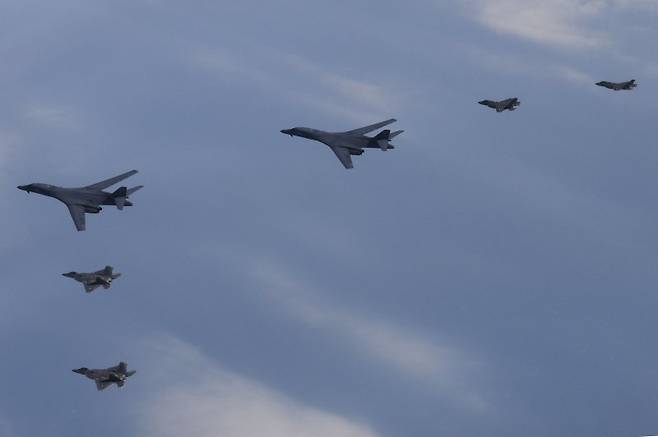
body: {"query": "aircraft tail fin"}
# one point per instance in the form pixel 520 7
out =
pixel 382 139
pixel 108 270
pixel 120 196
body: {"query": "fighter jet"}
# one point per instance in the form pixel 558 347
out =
pixel 352 142
pixel 509 104
pixel 92 281
pixel 86 199
pixel 106 377
pixel 618 86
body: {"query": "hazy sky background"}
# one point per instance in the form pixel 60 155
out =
pixel 493 275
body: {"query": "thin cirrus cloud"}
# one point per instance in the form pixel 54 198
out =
pixel 445 368
pixel 306 83
pixel 208 401
pixel 565 24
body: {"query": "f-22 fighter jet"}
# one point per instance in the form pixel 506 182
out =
pixel 507 104
pixel 86 199
pixel 91 281
pixel 617 86
pixel 352 142
pixel 106 377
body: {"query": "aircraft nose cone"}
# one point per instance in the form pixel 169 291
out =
pixel 286 131
pixel 22 187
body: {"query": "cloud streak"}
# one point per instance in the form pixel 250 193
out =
pixel 439 364
pixel 208 401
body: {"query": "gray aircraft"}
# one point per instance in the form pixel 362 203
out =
pixel 507 104
pixel 87 199
pixel 352 142
pixel 91 281
pixel 106 377
pixel 617 86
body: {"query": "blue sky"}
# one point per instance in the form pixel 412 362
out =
pixel 495 273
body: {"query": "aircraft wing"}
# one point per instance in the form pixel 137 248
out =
pixel 364 130
pixel 343 155
pixel 111 181
pixel 102 385
pixel 78 216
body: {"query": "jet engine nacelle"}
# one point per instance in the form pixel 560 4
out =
pixel 356 152
pixel 93 209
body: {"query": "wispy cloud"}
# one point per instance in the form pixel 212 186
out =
pixel 433 361
pixel 566 24
pixel 559 23
pixel 201 399
pixel 54 116
pixel 306 83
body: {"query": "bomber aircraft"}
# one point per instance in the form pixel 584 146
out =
pixel 93 280
pixel 106 377
pixel 352 142
pixel 86 199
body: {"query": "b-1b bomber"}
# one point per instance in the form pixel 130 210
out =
pixel 352 142
pixel 91 281
pixel 106 377
pixel 87 200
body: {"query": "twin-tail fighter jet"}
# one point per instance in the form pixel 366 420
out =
pixel 352 142
pixel 91 281
pixel 87 200
pixel 507 104
pixel 106 377
pixel 618 86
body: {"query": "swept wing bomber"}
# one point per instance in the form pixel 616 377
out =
pixel 87 200
pixel 91 281
pixel 500 106
pixel 352 142
pixel 106 377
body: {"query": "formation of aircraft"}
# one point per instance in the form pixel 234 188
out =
pixel 90 199
pixel 86 200
pixel 502 105
pixel 106 377
pixel 351 142
pixel 91 281
pixel 618 86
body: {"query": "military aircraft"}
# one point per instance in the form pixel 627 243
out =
pixel 87 199
pixel 106 377
pixel 352 142
pixel 92 281
pixel 509 104
pixel 618 85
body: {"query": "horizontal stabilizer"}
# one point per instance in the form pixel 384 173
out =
pixel 395 134
pixel 132 190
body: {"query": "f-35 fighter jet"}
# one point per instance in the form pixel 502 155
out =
pixel 352 142
pixel 618 85
pixel 86 199
pixel 92 281
pixel 509 104
pixel 106 377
